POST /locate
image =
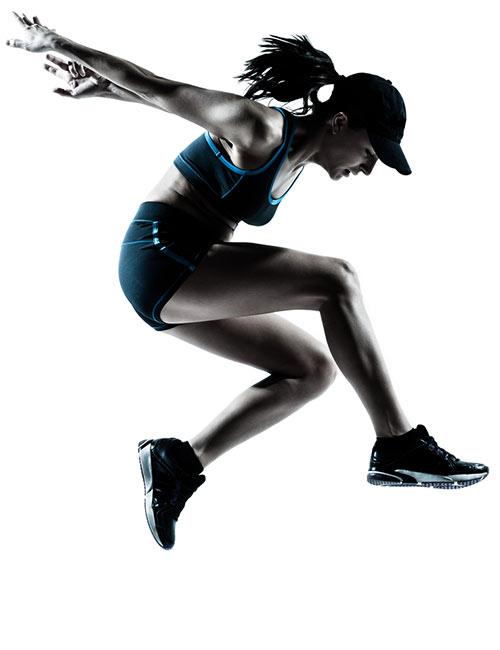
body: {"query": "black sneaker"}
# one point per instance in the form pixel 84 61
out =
pixel 171 474
pixel 416 459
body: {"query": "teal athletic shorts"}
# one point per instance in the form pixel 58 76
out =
pixel 161 248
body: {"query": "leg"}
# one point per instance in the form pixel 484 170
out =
pixel 242 279
pixel 353 344
pixel 300 368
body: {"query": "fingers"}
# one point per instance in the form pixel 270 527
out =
pixel 76 69
pixel 73 67
pixel 62 92
pixel 57 71
pixel 71 81
pixel 21 20
pixel 62 64
pixel 24 20
pixel 15 42
pixel 76 90
pixel 61 68
pixel 74 74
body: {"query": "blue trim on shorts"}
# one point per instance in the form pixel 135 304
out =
pixel 149 279
pixel 171 254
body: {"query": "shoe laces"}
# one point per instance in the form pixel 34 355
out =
pixel 433 446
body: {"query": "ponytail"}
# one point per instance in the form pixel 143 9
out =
pixel 290 68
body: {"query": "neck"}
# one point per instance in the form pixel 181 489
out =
pixel 306 143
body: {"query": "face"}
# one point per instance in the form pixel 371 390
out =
pixel 346 151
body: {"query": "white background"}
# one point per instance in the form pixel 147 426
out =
pixel 286 545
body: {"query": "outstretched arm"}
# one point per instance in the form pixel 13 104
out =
pixel 246 123
pixel 121 72
pixel 242 121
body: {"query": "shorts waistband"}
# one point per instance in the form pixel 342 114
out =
pixel 157 210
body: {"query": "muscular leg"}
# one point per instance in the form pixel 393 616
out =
pixel 300 369
pixel 353 344
pixel 243 279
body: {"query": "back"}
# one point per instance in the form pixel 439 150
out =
pixel 241 194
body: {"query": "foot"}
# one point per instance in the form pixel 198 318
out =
pixel 171 474
pixel 416 459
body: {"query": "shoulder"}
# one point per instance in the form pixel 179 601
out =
pixel 268 132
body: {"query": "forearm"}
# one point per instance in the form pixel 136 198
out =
pixel 113 91
pixel 124 74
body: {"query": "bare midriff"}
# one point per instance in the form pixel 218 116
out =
pixel 176 190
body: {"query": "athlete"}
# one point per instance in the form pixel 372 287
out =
pixel 182 274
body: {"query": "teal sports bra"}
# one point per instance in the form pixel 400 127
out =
pixel 239 194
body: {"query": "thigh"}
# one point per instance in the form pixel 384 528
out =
pixel 236 279
pixel 268 342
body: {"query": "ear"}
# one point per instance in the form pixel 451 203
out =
pixel 338 122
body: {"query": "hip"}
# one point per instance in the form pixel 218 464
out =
pixel 161 247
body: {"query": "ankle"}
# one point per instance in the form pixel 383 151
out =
pixel 199 453
pixel 395 432
pixel 185 456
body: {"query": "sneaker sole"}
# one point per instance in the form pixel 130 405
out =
pixel 144 449
pixel 397 481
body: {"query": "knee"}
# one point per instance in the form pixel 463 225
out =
pixel 342 277
pixel 321 373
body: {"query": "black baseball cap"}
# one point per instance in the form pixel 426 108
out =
pixel 381 108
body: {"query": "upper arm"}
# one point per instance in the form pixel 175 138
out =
pixel 250 126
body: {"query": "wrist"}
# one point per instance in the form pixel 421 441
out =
pixel 57 43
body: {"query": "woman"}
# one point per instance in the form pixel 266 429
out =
pixel 183 275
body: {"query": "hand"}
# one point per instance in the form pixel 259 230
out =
pixel 38 37
pixel 83 81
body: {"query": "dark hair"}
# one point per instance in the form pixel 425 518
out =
pixel 291 68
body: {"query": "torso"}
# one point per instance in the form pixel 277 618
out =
pixel 175 189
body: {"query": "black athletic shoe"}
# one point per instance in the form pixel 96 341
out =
pixel 416 459
pixel 171 474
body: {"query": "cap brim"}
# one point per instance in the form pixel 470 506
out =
pixel 390 153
